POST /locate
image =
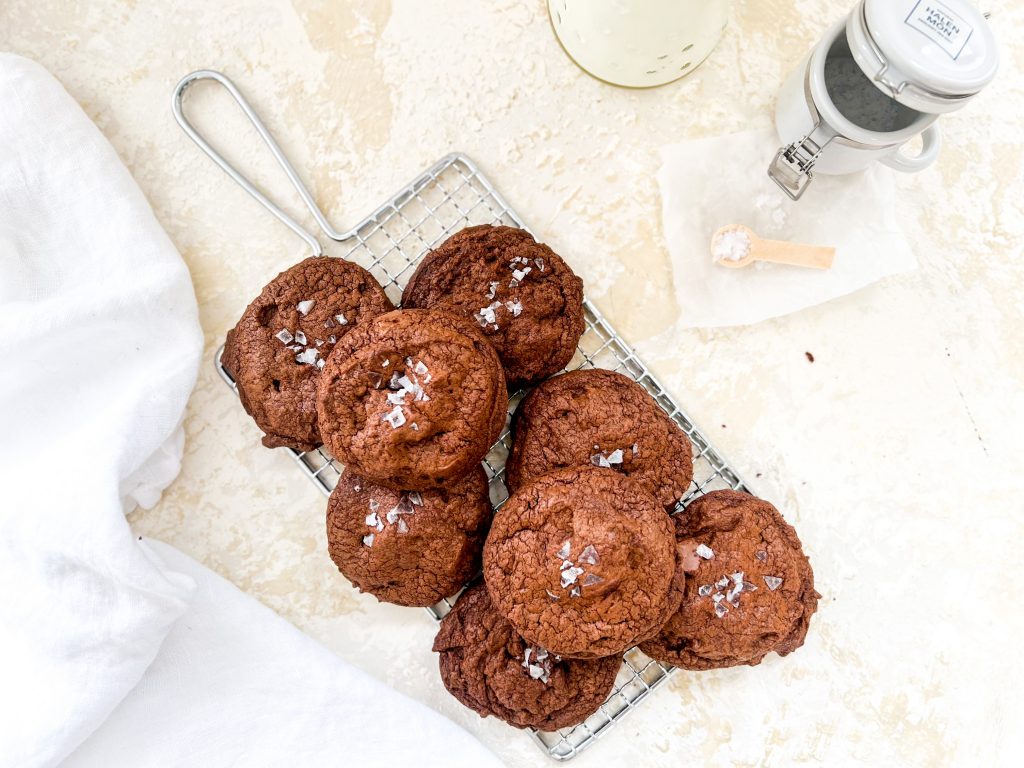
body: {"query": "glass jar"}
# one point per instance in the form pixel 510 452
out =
pixel 638 43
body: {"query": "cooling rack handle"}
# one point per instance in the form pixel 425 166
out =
pixel 272 145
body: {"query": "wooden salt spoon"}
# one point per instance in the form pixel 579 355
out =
pixel 735 246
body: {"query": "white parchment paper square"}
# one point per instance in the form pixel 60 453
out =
pixel 708 183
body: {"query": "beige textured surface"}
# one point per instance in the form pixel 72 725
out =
pixel 896 453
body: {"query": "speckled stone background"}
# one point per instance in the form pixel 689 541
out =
pixel 896 453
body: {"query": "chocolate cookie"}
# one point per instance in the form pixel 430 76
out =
pixel 602 418
pixel 413 399
pixel 520 292
pixel 279 345
pixel 749 586
pixel 582 562
pixel 408 547
pixel 493 671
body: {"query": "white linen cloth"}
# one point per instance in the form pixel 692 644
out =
pixel 99 347
pixel 709 183
pixel 234 679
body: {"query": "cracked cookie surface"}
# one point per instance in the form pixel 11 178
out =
pixel 487 666
pixel 413 399
pixel 583 562
pixel 521 294
pixel 276 351
pixel 599 417
pixel 408 547
pixel 749 587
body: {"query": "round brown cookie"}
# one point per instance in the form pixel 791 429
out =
pixel 279 345
pixel 408 547
pixel 520 292
pixel 493 671
pixel 582 562
pixel 749 586
pixel 602 418
pixel 413 399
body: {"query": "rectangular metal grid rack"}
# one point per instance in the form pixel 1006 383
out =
pixel 449 196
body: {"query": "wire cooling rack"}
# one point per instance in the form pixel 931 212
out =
pixel 449 196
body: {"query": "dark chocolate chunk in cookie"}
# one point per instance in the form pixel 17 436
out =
pixel 601 418
pixel 521 294
pixel 749 586
pixel 413 399
pixel 276 351
pixel 582 562
pixel 494 671
pixel 408 547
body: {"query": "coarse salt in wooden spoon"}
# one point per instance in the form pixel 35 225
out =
pixel 735 247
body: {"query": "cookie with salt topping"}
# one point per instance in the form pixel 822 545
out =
pixel 487 666
pixel 519 292
pixel 408 547
pixel 276 351
pixel 601 418
pixel 749 586
pixel 412 399
pixel 582 562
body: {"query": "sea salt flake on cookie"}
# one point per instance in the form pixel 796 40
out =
pixel 773 582
pixel 307 356
pixel 704 552
pixel 284 336
pixel 395 418
pixel 589 555
pixel 305 306
pixel 569 575
pixel 368 540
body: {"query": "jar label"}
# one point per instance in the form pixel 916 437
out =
pixel 941 25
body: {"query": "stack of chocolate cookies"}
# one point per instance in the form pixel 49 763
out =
pixel 583 561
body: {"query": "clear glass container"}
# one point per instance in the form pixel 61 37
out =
pixel 638 43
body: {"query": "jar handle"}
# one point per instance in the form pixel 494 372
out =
pixel 932 143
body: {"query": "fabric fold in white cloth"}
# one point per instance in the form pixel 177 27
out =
pixel 710 183
pixel 234 679
pixel 99 348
